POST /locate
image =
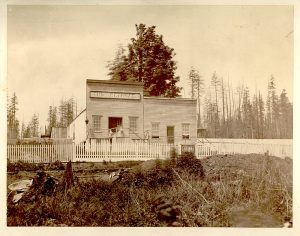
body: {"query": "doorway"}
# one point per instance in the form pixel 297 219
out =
pixel 114 123
pixel 170 134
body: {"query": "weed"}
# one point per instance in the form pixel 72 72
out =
pixel 23 166
pixel 188 162
pixel 105 162
pixel 174 192
pixel 57 165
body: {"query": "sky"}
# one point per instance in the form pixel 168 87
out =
pixel 52 49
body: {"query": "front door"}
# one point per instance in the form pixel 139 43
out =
pixel 114 123
pixel 170 134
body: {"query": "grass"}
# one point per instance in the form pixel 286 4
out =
pixel 182 191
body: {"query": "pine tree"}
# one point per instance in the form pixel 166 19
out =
pixel 261 115
pixel 66 113
pixel 117 67
pixel 34 126
pixel 255 112
pixel 286 116
pixel 52 118
pixel 149 61
pixel 12 121
pixel 70 113
pixel 27 132
pixel 197 87
pixel 247 114
pixel 272 118
pixel 215 83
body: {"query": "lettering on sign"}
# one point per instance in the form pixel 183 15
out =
pixel 117 95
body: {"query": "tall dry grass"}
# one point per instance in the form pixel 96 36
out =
pixel 176 192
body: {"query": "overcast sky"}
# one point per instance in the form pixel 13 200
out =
pixel 52 50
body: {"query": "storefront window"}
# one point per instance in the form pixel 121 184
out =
pixel 96 123
pixel 155 130
pixel 185 131
pixel 132 124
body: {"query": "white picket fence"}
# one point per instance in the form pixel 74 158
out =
pixel 246 141
pixel 40 153
pixel 274 147
pixel 121 151
pixel 97 152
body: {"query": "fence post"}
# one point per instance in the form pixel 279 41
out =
pixel 180 148
pixel 136 151
pixel 73 156
pixel 196 150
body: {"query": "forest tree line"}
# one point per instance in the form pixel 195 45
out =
pixel 227 112
pixel 58 116
pixel 222 111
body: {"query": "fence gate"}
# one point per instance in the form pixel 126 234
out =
pixel 187 148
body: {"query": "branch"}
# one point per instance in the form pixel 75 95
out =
pixel 184 182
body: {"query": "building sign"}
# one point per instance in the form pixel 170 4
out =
pixel 117 95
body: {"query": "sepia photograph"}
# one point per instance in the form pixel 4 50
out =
pixel 149 115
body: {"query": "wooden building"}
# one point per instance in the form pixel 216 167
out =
pixel 119 111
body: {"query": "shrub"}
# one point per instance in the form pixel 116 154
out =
pixel 23 166
pixel 173 154
pixel 151 174
pixel 57 165
pixel 189 163
pixel 105 162
pixel 127 164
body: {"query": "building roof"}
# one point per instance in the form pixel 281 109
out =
pixel 114 82
pixel 171 99
pixel 78 116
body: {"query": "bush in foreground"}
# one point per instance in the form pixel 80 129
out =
pixel 189 163
pixel 23 166
pixel 172 193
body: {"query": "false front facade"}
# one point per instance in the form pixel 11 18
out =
pixel 119 111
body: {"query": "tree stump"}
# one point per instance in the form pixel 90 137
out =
pixel 68 179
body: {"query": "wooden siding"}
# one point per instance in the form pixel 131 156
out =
pixel 110 107
pixel 171 112
pixel 166 111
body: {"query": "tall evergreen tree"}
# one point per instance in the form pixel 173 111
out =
pixel 272 118
pixel 149 61
pixel 197 87
pixel 286 116
pixel 261 115
pixel 52 118
pixel 247 114
pixel 215 83
pixel 34 126
pixel 70 110
pixel 27 132
pixel 62 114
pixel 66 112
pixel 117 67
pixel 12 121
